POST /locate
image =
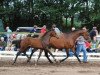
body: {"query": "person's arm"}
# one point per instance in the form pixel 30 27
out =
pixel 81 38
pixel 31 30
pixel 96 32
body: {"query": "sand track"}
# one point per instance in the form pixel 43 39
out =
pixel 45 68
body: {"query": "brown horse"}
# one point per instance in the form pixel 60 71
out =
pixel 35 43
pixel 65 41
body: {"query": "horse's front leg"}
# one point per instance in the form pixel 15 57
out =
pixel 18 53
pixel 77 57
pixel 46 54
pixel 67 55
pixel 74 51
pixel 48 50
pixel 39 56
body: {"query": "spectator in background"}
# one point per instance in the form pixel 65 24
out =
pixel 8 29
pixel 84 28
pixel 94 45
pixel 34 30
pixel 88 46
pixel 9 47
pixel 3 44
pixel 8 33
pixel 58 32
pixel 43 30
pixel 73 28
pixel 93 33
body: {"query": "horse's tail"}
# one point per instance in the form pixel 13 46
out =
pixel 19 43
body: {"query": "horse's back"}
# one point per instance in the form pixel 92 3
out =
pixel 57 42
pixel 34 42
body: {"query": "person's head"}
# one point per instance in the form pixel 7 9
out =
pixel 35 26
pixel 17 30
pixel 53 26
pixel 7 28
pixel 94 38
pixel 94 28
pixel 44 26
pixel 2 38
pixel 36 16
pixel 84 28
pixel 73 28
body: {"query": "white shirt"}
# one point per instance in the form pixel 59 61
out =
pixel 57 31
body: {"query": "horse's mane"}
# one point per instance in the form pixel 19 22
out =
pixel 71 31
pixel 46 33
pixel 76 30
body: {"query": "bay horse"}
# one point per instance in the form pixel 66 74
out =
pixel 65 41
pixel 35 43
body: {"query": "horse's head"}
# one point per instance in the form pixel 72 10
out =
pixel 85 34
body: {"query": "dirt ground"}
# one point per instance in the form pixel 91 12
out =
pixel 45 68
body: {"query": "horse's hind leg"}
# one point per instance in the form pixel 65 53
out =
pixel 46 54
pixel 39 56
pixel 18 53
pixel 33 50
pixel 51 55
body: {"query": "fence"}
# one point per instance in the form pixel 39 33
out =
pixel 58 55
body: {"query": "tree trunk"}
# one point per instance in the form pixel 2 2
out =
pixel 72 21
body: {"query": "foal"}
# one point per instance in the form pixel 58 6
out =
pixel 35 43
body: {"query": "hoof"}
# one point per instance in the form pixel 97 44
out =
pixel 13 63
pixel 85 62
pixel 28 61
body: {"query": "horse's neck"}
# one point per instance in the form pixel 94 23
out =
pixel 76 34
pixel 46 37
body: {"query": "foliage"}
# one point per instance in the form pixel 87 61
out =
pixel 23 12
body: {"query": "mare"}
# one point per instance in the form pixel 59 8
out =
pixel 65 41
pixel 35 43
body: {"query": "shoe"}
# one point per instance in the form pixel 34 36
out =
pixel 85 62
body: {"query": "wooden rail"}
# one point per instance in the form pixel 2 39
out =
pixel 58 56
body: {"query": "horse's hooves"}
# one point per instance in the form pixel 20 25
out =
pixel 85 62
pixel 35 64
pixel 13 63
pixel 51 62
pixel 80 62
pixel 28 61
pixel 60 61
